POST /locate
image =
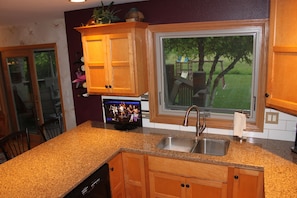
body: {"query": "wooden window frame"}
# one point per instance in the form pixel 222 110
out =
pixel 157 117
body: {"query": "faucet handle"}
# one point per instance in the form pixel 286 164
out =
pixel 202 127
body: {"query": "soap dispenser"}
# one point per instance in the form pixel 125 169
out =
pixel 294 148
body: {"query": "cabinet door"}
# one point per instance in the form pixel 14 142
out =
pixel 95 63
pixel 134 175
pixel 120 60
pixel 248 183
pixel 117 177
pixel 205 188
pixel 166 186
pixel 115 58
pixel 282 56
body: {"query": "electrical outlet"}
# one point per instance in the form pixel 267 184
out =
pixel 272 117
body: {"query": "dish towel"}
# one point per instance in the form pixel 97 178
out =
pixel 239 124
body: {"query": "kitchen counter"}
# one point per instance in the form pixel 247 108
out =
pixel 55 167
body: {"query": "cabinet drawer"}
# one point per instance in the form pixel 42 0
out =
pixel 188 168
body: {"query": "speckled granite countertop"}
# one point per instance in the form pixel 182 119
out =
pixel 54 168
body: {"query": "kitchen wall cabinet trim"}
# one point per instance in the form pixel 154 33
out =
pixel 115 58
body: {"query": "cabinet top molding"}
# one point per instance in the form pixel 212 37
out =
pixel 114 25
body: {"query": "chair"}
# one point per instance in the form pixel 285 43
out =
pixel 15 144
pixel 51 128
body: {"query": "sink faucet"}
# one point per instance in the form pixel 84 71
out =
pixel 199 128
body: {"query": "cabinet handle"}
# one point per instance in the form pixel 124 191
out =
pixel 109 86
pixel 266 95
pixel 187 185
pixel 182 185
pixel 106 86
pixel 236 177
pixel 112 169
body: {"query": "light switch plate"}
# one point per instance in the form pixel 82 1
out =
pixel 272 117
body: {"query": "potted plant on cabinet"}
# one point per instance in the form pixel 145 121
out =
pixel 103 15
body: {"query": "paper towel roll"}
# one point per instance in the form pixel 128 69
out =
pixel 239 124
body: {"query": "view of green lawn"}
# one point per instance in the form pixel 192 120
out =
pixel 235 92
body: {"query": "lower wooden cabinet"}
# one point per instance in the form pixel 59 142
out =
pixel 116 176
pixel 139 176
pixel 165 185
pixel 246 183
pixel 185 179
pixel 134 175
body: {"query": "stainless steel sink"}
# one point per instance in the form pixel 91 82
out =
pixel 208 146
pixel 211 146
pixel 176 144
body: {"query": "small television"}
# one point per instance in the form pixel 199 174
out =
pixel 124 114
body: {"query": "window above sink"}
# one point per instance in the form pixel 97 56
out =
pixel 174 87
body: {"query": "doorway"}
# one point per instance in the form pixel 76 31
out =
pixel 32 90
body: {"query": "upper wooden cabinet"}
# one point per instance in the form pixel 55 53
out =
pixel 115 58
pixel 282 57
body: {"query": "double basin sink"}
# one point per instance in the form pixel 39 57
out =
pixel 208 146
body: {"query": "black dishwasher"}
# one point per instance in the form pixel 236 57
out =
pixel 95 186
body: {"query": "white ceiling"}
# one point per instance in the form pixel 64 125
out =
pixel 13 12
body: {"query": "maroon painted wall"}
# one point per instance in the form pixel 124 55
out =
pixel 155 12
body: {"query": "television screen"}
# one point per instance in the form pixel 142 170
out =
pixel 123 112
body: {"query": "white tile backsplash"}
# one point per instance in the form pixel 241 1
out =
pixel 145 105
pixel 167 126
pixel 290 125
pixel 284 116
pixel 147 123
pixel 285 129
pixel 281 135
pixel 280 126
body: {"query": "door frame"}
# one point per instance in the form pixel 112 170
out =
pixel 6 104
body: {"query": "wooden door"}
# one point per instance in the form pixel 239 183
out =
pixel 205 188
pixel 248 183
pixel 117 177
pixel 164 185
pixel 134 175
pixel 95 56
pixel 120 56
pixel 32 91
pixel 282 56
pixel 22 93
